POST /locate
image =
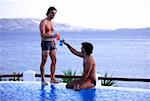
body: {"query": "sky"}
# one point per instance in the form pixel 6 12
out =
pixel 102 14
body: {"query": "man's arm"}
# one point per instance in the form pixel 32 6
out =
pixel 73 50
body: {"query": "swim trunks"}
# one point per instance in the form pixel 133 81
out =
pixel 48 45
pixel 92 81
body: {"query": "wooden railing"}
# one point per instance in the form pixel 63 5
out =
pixel 99 78
pixel 124 79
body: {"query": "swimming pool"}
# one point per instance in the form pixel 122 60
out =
pixel 34 91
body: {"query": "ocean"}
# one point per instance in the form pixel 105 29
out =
pixel 119 55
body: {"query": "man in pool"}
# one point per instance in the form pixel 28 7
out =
pixel 88 79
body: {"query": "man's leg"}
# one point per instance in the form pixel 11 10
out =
pixel 42 66
pixel 71 84
pixel 83 85
pixel 53 66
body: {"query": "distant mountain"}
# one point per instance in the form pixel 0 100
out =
pixel 17 25
pixel 30 25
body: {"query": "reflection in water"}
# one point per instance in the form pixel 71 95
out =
pixel 42 87
pixel 88 95
pixel 53 93
pixel 48 93
pixel 43 93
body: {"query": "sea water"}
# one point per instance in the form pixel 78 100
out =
pixel 119 56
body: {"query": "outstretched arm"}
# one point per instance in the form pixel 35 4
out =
pixel 73 50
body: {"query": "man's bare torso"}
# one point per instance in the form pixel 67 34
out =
pixel 92 74
pixel 47 28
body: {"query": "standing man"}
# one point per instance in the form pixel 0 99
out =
pixel 48 44
pixel 88 79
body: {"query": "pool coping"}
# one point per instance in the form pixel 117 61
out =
pixel 98 86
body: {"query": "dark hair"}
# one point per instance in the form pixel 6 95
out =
pixel 50 9
pixel 88 47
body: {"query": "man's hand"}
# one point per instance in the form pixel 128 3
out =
pixel 58 36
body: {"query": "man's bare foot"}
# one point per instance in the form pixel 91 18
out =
pixel 44 83
pixel 55 81
pixel 76 87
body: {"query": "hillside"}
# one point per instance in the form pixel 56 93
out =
pixel 32 25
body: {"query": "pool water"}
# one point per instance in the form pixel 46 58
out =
pixel 34 91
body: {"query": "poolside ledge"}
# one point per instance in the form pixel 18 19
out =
pixel 29 75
